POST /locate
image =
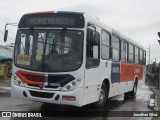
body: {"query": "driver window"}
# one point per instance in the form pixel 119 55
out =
pixel 93 48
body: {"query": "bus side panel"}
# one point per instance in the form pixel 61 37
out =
pixel 138 71
pixel 91 91
pixel 142 80
pixel 127 72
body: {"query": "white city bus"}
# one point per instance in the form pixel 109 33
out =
pixel 74 59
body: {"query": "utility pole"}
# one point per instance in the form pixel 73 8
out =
pixel 149 55
pixel 159 36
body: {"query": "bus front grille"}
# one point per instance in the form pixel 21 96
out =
pixel 41 94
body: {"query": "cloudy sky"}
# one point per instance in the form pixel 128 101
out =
pixel 137 19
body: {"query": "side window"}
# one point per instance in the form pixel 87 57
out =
pixel 115 48
pixel 130 53
pixel 136 55
pixel 105 45
pixel 93 47
pixel 141 57
pixel 144 57
pixel 124 53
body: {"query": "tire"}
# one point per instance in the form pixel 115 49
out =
pixel 133 92
pixel 103 96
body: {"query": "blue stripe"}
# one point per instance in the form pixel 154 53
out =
pixel 115 73
pixel 59 80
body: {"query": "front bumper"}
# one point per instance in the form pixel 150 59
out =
pixel 47 96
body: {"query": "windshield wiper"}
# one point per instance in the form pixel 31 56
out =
pixel 56 39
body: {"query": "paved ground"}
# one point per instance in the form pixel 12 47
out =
pixel 6 83
pixel 118 103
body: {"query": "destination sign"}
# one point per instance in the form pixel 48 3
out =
pixel 52 20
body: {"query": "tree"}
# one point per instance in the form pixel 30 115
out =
pixel 158 65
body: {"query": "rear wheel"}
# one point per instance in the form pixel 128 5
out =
pixel 102 97
pixel 133 92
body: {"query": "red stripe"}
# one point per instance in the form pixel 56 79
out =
pixel 129 71
pixel 43 12
pixel 31 78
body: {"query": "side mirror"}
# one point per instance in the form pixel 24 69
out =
pixel 5 35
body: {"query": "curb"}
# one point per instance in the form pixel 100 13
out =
pixel 156 108
pixel 6 88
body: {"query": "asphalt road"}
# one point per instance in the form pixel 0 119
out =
pixel 118 103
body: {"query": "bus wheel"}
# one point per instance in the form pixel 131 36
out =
pixel 102 97
pixel 134 91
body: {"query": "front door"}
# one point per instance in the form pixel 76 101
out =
pixel 92 71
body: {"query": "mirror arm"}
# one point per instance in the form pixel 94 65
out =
pixel 6 31
pixel 91 25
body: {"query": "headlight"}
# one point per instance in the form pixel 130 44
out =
pixel 74 83
pixel 71 85
pixel 17 81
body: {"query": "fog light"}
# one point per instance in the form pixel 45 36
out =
pixel 24 93
pixel 69 98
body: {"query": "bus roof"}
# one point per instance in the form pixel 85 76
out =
pixel 112 30
pixel 50 12
pixel 95 21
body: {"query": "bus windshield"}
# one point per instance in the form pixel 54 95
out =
pixel 55 50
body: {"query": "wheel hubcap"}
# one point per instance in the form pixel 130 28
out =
pixel 102 96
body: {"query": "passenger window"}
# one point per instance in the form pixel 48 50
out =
pixel 130 54
pixel 144 58
pixel 136 55
pixel 123 51
pixel 141 57
pixel 115 48
pixel 105 45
